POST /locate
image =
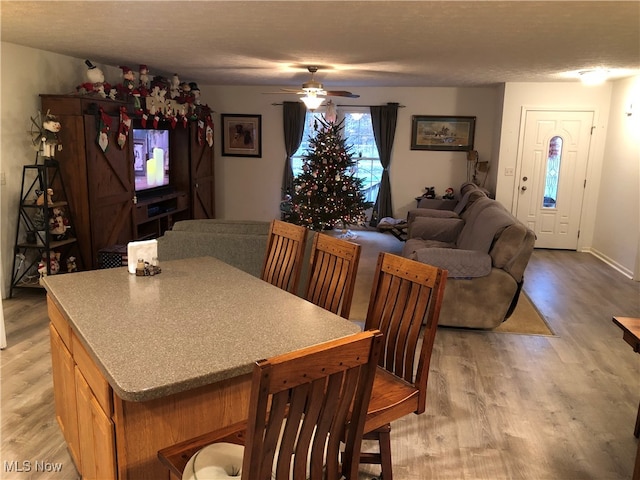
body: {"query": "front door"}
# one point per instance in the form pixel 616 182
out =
pixel 554 155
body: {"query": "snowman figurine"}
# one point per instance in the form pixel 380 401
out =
pixel 96 78
pixel 50 142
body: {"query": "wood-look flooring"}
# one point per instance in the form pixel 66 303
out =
pixel 500 406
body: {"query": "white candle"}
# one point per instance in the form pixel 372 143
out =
pixel 151 172
pixel 158 155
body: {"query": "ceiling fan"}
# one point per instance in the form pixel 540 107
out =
pixel 314 92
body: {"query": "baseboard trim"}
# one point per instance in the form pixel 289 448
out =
pixel 609 261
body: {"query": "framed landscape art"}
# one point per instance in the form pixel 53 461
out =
pixel 241 135
pixel 430 132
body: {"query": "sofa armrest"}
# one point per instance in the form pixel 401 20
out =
pixel 436 228
pixel 459 263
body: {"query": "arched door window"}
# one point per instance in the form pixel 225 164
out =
pixel 552 173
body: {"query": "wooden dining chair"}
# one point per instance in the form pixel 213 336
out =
pixel 332 273
pixel 302 404
pixel 285 251
pixel 405 295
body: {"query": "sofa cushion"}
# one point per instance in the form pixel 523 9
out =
pixel 245 251
pixel 216 225
pixel 459 263
pixel 434 228
pixel 481 228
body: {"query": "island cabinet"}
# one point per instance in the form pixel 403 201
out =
pixel 111 438
pixel 83 401
pixel 142 363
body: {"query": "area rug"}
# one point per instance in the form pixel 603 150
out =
pixel 525 320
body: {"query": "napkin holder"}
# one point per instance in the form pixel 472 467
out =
pixel 146 250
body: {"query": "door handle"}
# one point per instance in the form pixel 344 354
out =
pixel 523 188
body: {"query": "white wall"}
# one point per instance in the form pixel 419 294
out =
pixel 616 236
pixel 24 74
pixel 249 188
pixel 563 96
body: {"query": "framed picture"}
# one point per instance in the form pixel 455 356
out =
pixel 139 157
pixel 241 135
pixel 442 133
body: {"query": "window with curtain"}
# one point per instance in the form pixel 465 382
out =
pixel 358 133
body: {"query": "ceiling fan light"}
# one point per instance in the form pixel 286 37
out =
pixel 594 77
pixel 312 101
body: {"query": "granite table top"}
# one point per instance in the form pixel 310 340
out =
pixel 199 322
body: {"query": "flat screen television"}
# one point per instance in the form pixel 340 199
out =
pixel 151 161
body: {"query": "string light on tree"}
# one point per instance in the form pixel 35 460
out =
pixel 326 192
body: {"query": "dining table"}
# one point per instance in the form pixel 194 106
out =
pixel 143 362
pixel 631 334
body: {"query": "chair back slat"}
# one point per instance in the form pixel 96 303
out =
pixel 303 403
pixel 284 256
pixel 333 268
pixel 405 296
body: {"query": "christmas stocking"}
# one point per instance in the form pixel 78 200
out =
pixel 209 131
pixel 123 129
pixel 104 127
pixel 200 131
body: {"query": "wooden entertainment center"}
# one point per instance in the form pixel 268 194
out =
pixel 100 184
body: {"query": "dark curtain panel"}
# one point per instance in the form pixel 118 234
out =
pixel 384 119
pixel 293 114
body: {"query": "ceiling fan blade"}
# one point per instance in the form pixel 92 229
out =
pixel 293 90
pixel 341 93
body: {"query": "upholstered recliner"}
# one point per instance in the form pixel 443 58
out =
pixel 485 250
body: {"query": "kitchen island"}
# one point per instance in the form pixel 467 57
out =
pixel 140 363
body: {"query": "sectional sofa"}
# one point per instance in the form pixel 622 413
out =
pixel 484 248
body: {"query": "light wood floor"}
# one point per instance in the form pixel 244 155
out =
pixel 500 406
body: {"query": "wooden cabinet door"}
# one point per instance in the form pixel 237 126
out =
pixel 64 392
pixel 202 176
pixel 111 189
pixel 96 434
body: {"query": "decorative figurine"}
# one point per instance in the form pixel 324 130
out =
pixel 50 142
pixel 96 79
pixel 71 265
pixel 40 196
pixel 58 224
pixel 448 194
pixel 174 86
pixel 144 78
pixel 430 192
pixel 128 79
pixel 54 264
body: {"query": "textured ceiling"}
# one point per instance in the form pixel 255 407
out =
pixel 365 43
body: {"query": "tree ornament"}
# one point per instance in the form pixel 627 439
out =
pixel 318 197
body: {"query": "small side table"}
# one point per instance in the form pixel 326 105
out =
pixel 631 334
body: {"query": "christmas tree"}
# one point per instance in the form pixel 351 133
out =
pixel 327 192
